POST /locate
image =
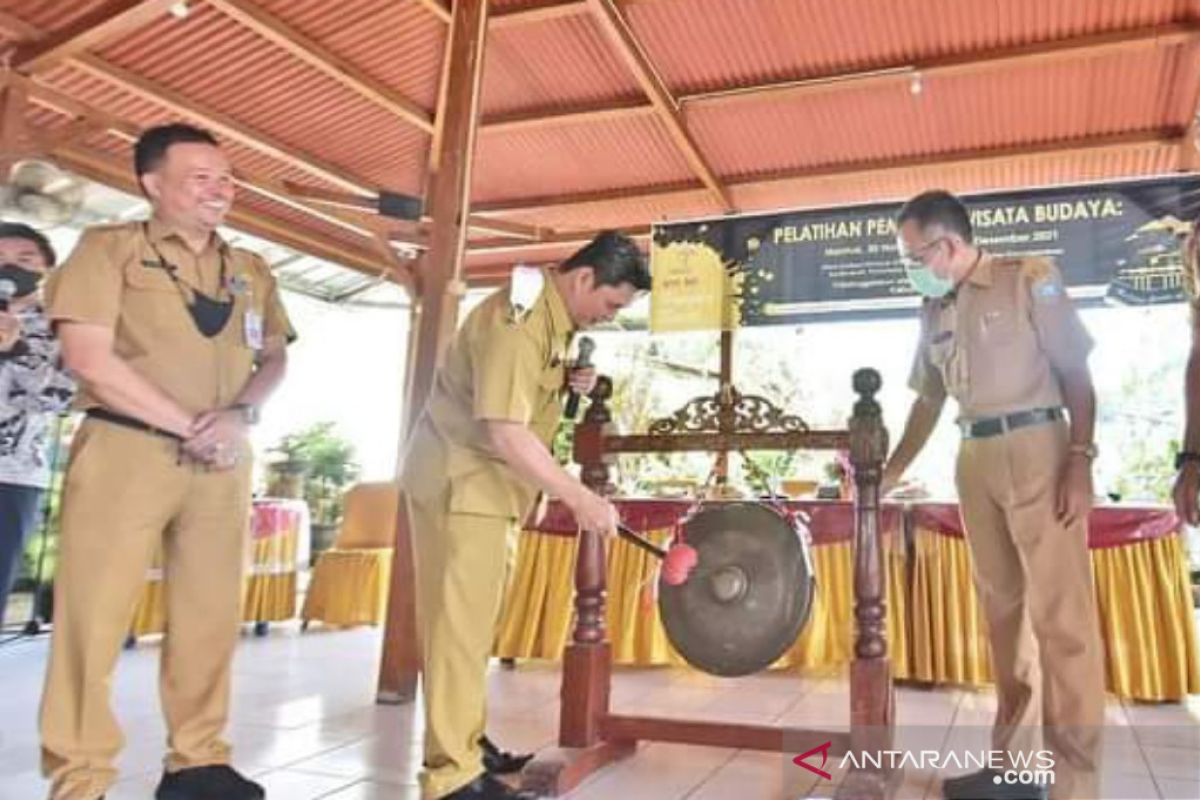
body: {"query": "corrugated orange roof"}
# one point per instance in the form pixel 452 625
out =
pixel 1011 93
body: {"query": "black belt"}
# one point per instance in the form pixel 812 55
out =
pixel 994 426
pixel 129 422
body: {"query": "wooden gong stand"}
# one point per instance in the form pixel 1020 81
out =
pixel 590 735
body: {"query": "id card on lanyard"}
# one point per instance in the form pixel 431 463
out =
pixel 254 329
pixel 252 321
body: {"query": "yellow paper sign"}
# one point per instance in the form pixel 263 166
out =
pixel 690 291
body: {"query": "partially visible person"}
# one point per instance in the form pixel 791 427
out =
pixel 34 387
pixel 177 339
pixel 1187 463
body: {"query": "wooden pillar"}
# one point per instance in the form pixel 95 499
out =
pixel 436 315
pixel 871 697
pixel 726 398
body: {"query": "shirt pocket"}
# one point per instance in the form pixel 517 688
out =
pixel 152 300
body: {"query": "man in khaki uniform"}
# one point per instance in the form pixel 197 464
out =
pixel 177 340
pixel 1001 337
pixel 1187 462
pixel 475 462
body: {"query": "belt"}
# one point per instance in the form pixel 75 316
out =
pixel 994 426
pixel 105 415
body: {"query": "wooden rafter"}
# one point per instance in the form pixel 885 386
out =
pixel 89 31
pixel 531 120
pixel 17 28
pixel 15 141
pixel 219 123
pixel 507 245
pixel 103 168
pixel 540 12
pixel 856 170
pixel 436 7
pixel 1189 145
pixel 252 16
pixel 892 73
pixel 127 131
pixel 617 27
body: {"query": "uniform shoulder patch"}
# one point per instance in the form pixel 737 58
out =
pixel 523 292
pixel 1045 282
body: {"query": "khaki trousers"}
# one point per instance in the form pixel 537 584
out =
pixel 1034 580
pixel 127 493
pixel 462 563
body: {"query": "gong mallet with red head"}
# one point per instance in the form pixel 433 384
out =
pixel 678 561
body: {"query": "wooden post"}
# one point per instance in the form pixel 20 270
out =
pixel 441 289
pixel 587 661
pixel 871 697
pixel 726 399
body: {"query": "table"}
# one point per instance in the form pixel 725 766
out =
pixel 278 549
pixel 935 628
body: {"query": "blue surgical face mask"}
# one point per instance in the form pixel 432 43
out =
pixel 926 282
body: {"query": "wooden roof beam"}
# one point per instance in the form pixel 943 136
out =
pixel 1079 146
pixel 252 16
pixel 504 245
pixel 619 31
pixel 1189 146
pixel 436 7
pixel 17 28
pixel 267 187
pixel 102 24
pixel 898 72
pixel 105 169
pixel 219 123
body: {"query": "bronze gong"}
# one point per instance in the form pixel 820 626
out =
pixel 749 595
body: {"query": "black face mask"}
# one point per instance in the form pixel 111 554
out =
pixel 24 281
pixel 208 314
pixel 211 316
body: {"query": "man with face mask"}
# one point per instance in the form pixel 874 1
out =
pixel 33 388
pixel 177 340
pixel 1001 336
pixel 475 462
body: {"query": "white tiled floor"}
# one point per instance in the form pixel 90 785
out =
pixel 306 725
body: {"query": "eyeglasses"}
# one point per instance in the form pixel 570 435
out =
pixel 918 255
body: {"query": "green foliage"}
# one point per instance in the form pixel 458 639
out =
pixel 328 461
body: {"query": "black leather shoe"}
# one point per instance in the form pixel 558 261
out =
pixel 501 762
pixel 486 787
pixel 216 782
pixel 987 784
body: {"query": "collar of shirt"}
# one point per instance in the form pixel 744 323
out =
pixel 560 318
pixel 160 232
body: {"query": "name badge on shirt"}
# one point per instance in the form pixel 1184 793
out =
pixel 254 330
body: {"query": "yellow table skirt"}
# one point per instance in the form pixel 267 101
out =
pixel 538 613
pixel 1143 598
pixel 349 587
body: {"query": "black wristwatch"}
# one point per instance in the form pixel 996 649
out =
pixel 1184 457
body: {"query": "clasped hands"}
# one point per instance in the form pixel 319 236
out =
pixel 216 438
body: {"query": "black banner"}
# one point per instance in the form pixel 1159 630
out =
pixel 1118 243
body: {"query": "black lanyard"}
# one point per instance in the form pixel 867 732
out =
pixel 172 270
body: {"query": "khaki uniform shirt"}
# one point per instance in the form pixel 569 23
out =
pixel 994 345
pixel 113 278
pixel 499 367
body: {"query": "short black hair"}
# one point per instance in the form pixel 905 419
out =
pixel 18 230
pixel 152 145
pixel 938 207
pixel 614 259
